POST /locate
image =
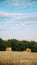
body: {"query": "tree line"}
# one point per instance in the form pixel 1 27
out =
pixel 17 45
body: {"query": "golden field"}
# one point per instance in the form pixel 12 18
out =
pixel 18 58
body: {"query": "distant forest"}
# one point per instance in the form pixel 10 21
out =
pixel 17 45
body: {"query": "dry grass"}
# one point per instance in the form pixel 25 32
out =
pixel 18 58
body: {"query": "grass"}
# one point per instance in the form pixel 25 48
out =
pixel 18 58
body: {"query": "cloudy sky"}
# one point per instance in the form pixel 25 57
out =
pixel 18 19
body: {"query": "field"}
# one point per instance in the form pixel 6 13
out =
pixel 18 58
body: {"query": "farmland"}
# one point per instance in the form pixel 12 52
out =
pixel 18 58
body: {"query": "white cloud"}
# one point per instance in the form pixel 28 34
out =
pixel 10 2
pixel 7 14
pixel 8 24
pixel 11 26
pixel 19 15
pixel 18 2
pixel 34 3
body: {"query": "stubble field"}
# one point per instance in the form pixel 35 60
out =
pixel 18 58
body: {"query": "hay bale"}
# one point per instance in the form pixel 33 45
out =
pixel 28 50
pixel 8 49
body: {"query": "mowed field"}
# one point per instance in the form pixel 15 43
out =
pixel 18 58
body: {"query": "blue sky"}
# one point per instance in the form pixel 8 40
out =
pixel 18 19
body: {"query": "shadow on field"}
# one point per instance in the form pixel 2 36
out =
pixel 33 63
pixel 12 64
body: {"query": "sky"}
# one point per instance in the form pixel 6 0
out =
pixel 18 19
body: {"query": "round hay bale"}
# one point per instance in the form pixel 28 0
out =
pixel 8 49
pixel 28 50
